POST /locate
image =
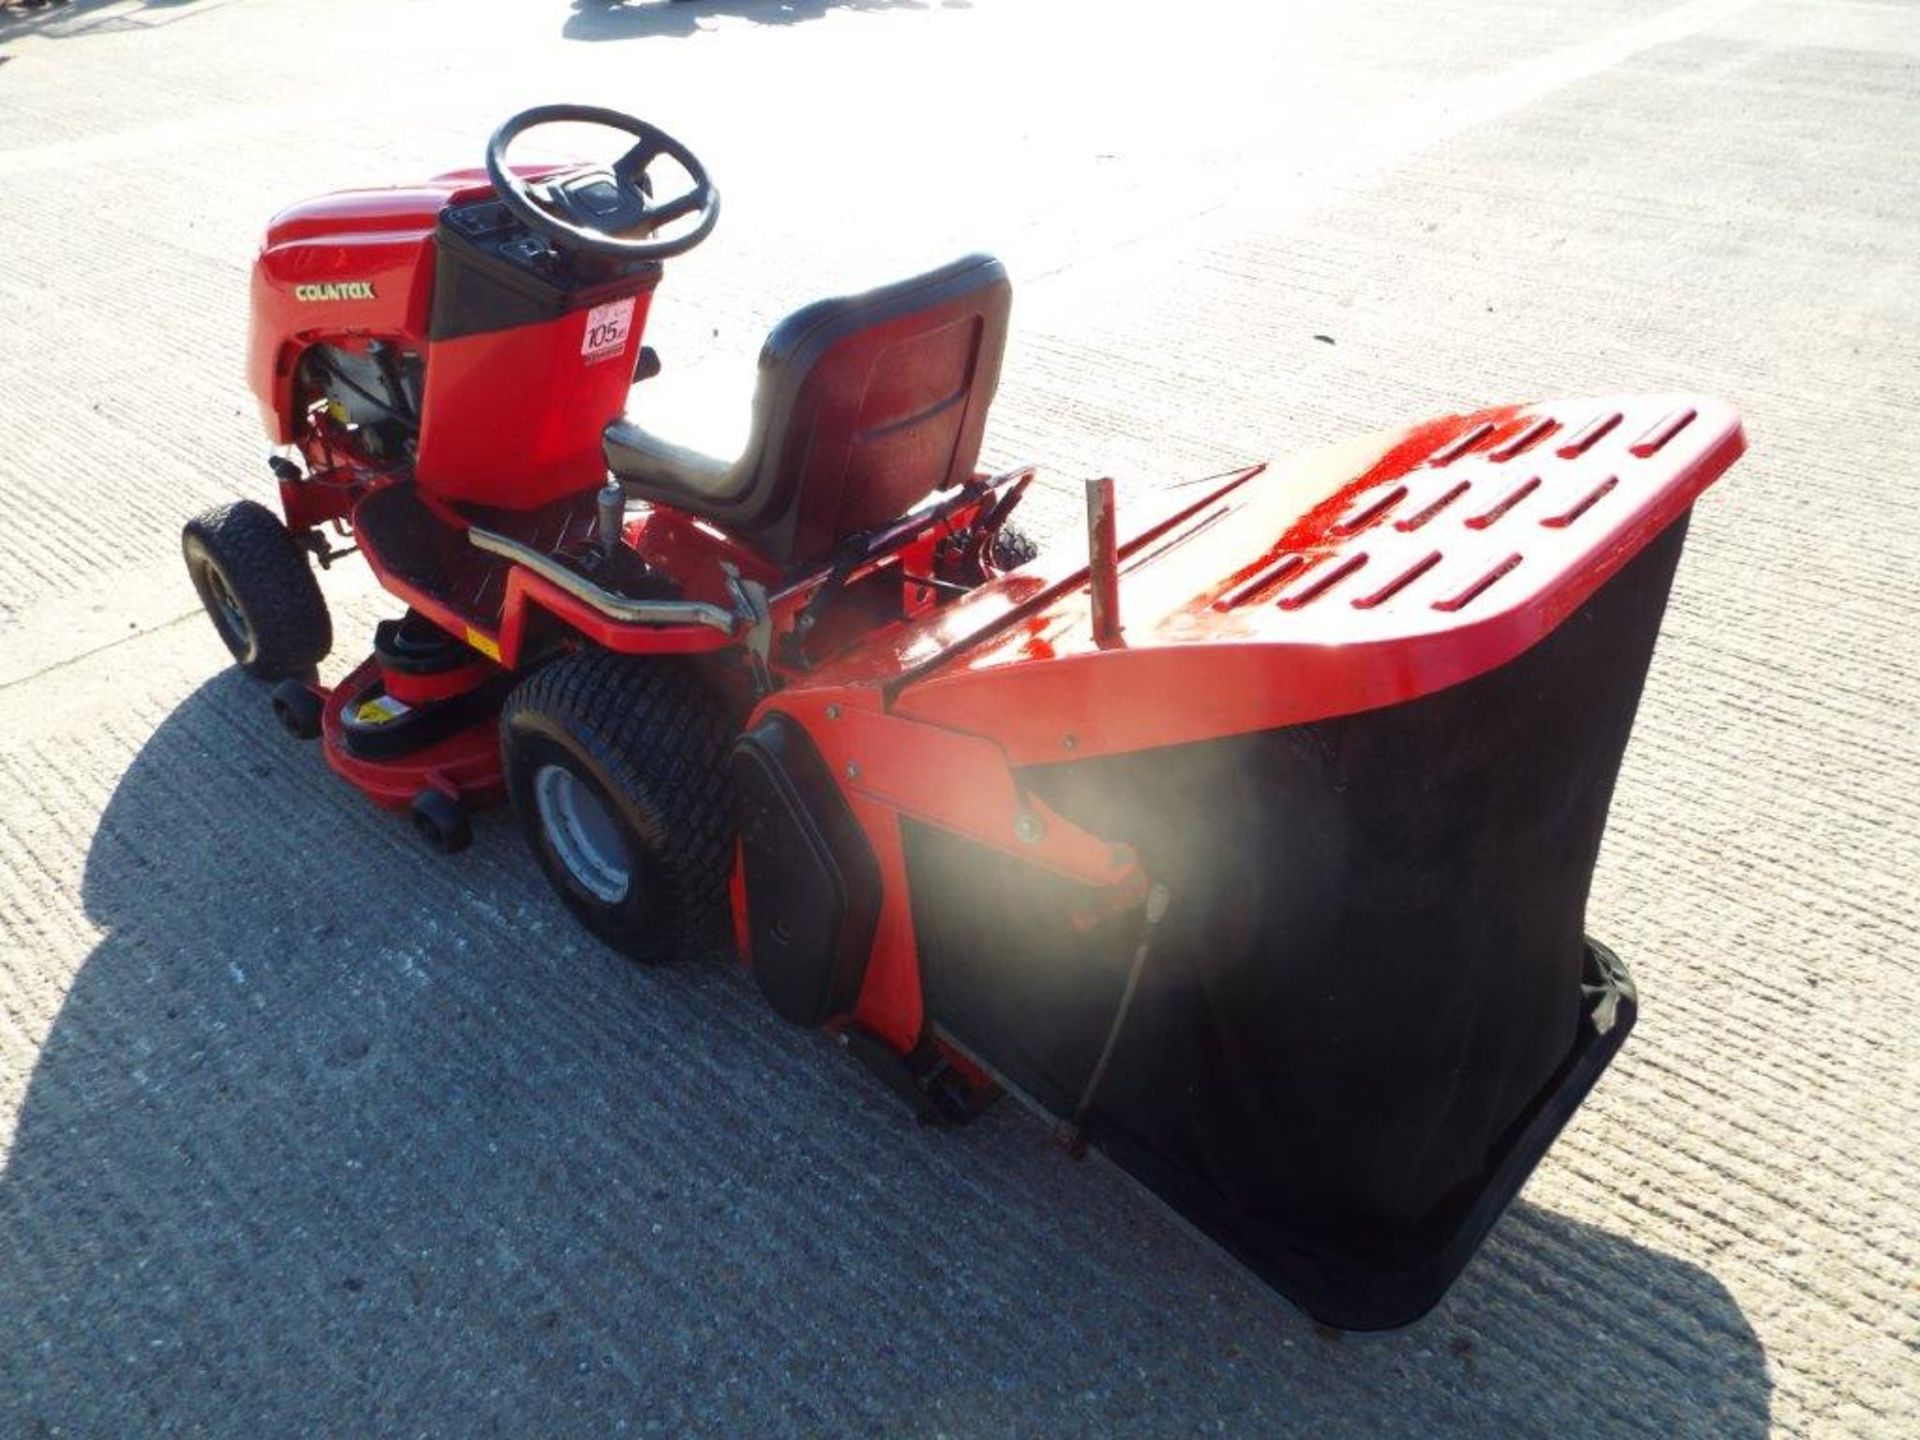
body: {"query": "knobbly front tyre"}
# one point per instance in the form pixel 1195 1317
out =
pixel 258 590
pixel 1012 548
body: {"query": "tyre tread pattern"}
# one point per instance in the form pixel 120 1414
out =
pixel 273 582
pixel 662 737
pixel 1013 547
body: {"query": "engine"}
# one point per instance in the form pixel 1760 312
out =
pixel 374 392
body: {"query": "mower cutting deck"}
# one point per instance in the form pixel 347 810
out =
pixel 1251 843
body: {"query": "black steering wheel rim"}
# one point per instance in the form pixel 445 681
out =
pixel 650 143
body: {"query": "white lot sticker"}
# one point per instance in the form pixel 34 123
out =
pixel 607 328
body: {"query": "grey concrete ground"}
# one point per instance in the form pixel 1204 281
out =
pixel 306 1132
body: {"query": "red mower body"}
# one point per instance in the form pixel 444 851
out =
pixel 521 386
pixel 1250 841
pixel 344 267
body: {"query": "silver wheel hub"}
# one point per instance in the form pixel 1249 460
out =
pixel 582 832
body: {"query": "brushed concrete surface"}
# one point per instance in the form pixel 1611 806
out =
pixel 306 1132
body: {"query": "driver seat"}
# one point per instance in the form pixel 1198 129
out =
pixel 864 406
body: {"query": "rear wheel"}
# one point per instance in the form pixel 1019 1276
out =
pixel 617 770
pixel 258 590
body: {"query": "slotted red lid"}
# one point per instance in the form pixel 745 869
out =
pixel 1362 575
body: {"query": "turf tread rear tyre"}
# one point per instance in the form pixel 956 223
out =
pixel 288 630
pixel 655 741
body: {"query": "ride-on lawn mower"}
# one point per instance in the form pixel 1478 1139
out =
pixel 1252 845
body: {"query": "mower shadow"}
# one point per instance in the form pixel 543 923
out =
pixel 332 1136
pixel 630 19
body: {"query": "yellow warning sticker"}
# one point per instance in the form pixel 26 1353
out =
pixel 483 642
pixel 379 710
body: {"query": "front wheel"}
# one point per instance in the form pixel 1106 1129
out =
pixel 617 770
pixel 1012 548
pixel 258 590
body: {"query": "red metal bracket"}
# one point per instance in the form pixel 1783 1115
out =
pixel 958 782
pixel 890 767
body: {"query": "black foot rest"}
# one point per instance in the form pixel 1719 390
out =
pixel 427 550
pixel 427 547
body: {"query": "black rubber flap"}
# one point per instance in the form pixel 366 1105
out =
pixel 1370 1005
pixel 813 887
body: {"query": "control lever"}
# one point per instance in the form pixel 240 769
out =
pixel 612 504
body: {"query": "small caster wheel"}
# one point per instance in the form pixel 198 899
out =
pixel 441 821
pixel 297 709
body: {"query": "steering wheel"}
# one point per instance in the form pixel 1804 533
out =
pixel 609 210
